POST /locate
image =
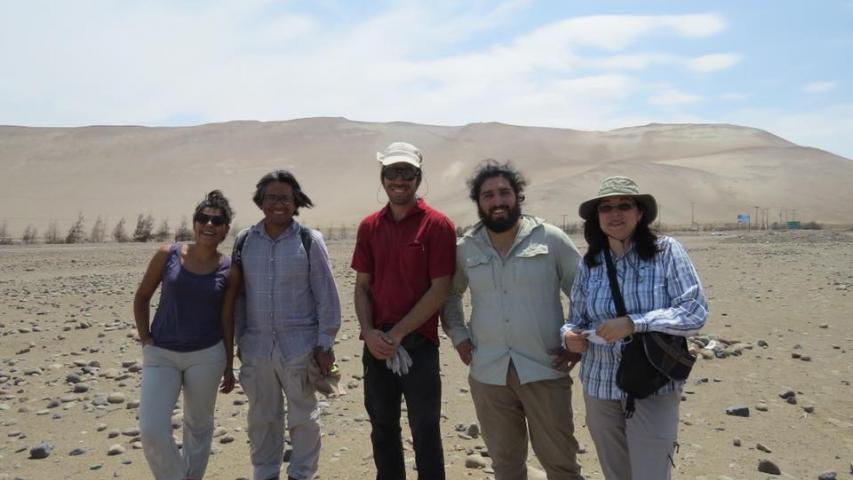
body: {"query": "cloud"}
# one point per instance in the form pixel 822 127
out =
pixel 714 62
pixel 733 96
pixel 819 87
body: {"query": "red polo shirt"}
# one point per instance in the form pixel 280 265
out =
pixel 402 258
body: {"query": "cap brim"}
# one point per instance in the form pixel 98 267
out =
pixel 586 210
pixel 392 159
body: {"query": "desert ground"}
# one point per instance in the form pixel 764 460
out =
pixel 780 320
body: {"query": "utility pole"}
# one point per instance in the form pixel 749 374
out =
pixel 692 211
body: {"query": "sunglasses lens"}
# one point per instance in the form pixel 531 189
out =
pixel 217 221
pixel 406 173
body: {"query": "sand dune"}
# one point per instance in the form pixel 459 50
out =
pixel 121 171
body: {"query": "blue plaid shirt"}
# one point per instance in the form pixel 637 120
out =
pixel 661 295
pixel 285 303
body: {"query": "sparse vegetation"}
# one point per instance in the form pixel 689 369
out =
pixel 75 233
pixel 51 235
pixel 5 239
pixel 120 232
pixel 163 232
pixel 30 235
pixel 99 231
pixel 144 228
pixel 183 232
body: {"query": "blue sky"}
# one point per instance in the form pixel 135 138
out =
pixel 783 66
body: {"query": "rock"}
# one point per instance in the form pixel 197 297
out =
pixel 827 476
pixel 761 407
pixel 473 430
pixel 115 449
pixel 808 408
pixel 227 438
pixel 80 388
pixel 791 400
pixel 475 461
pixel 77 451
pixel 761 447
pixel 116 397
pixel 767 466
pixel 787 393
pixel 41 450
pixel 762 343
pixel 73 378
pixel 736 442
pixel 738 411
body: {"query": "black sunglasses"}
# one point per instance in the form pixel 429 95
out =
pixel 406 173
pixel 622 207
pixel 216 220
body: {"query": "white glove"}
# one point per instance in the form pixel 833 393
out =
pixel 400 362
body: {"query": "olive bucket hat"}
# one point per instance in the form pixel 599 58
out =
pixel 620 187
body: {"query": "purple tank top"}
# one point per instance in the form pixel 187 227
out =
pixel 188 317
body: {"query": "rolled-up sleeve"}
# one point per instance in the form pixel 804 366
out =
pixel 452 315
pixel 578 319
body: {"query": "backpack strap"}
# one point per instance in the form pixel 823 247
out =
pixel 305 235
pixel 239 244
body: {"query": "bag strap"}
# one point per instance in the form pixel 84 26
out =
pixel 621 311
pixel 305 235
pixel 618 301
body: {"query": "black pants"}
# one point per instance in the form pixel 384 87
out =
pixel 421 388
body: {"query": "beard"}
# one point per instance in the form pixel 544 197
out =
pixel 501 225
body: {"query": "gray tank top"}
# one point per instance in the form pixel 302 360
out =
pixel 188 317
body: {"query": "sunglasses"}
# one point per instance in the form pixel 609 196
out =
pixel 622 207
pixel 216 220
pixel 406 173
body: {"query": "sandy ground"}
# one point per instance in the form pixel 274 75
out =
pixel 66 309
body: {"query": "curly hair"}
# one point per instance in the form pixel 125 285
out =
pixel 215 199
pixel 299 198
pixel 491 168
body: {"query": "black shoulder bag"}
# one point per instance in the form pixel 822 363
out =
pixel 649 360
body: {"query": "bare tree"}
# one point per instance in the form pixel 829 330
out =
pixel 30 235
pixel 144 228
pixel 51 235
pixel 99 231
pixel 163 231
pixel 183 232
pixel 120 233
pixel 5 239
pixel 75 233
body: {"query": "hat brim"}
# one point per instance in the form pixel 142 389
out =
pixel 392 159
pixel 587 210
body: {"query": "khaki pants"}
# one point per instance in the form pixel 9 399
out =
pixel 636 448
pixel 264 380
pixel 165 373
pixel 506 414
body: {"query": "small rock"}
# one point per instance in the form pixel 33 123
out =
pixel 736 442
pixel 767 466
pixel 761 407
pixel 41 450
pixel 827 476
pixel 475 461
pixel 763 448
pixel 738 411
pixel 77 451
pixel 115 449
pixel 116 397
pixel 787 393
pixel 808 408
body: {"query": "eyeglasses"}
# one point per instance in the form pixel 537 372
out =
pixel 622 207
pixel 216 220
pixel 407 173
pixel 272 199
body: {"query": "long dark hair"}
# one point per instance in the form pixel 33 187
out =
pixel 645 241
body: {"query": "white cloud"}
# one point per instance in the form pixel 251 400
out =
pixel 733 96
pixel 819 87
pixel 671 96
pixel 714 62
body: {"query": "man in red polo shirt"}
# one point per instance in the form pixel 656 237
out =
pixel 404 258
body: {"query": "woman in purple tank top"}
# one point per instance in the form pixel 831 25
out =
pixel 188 347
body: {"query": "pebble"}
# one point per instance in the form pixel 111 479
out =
pixel 738 411
pixel 475 460
pixel 767 466
pixel 77 451
pixel 116 397
pixel 827 476
pixel 808 408
pixel 115 449
pixel 761 407
pixel 41 450
pixel 736 442
pixel 760 446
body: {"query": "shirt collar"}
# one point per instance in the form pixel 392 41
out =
pixel 259 229
pixel 418 209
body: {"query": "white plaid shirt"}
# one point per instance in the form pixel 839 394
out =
pixel 661 295
pixel 285 303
